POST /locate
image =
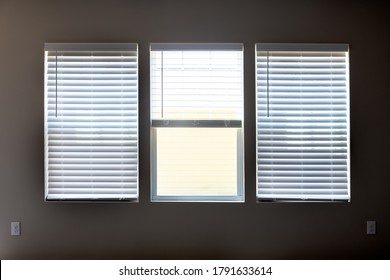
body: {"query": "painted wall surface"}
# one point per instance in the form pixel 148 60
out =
pixel 148 230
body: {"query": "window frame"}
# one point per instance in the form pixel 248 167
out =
pixel 132 193
pixel 297 47
pixel 160 124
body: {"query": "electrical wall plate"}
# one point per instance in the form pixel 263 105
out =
pixel 371 227
pixel 15 228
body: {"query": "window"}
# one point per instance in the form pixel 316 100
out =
pixel 302 122
pixel 197 122
pixel 91 122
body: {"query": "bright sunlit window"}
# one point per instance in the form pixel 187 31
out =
pixel 302 122
pixel 197 122
pixel 91 122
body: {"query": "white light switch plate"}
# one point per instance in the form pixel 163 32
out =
pixel 15 228
pixel 371 227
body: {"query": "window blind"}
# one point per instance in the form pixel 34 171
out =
pixel 196 81
pixel 91 121
pixel 302 122
pixel 196 113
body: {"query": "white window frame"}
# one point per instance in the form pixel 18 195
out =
pixel 191 123
pixel 277 184
pixel 97 161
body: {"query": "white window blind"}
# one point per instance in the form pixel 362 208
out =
pixel 196 112
pixel 91 121
pixel 302 122
pixel 196 81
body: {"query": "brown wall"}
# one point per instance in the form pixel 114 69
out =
pixel 192 230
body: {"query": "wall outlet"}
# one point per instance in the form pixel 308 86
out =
pixel 15 228
pixel 371 227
